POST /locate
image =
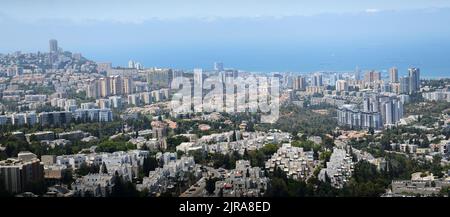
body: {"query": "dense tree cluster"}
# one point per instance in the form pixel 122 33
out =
pixel 294 119
pixel 257 158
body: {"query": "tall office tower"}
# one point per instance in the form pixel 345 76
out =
pixel 116 85
pixel 372 76
pixel 159 78
pixel 333 79
pixel 303 83
pixel 382 101
pixel 128 85
pixel 288 80
pixel 295 82
pixel 366 104
pixel 53 46
pixel 370 103
pixel 400 109
pixel 105 87
pixel 393 75
pixel 404 84
pixel 177 79
pixel 299 83
pixel 93 90
pixel 198 90
pixel 341 85
pixel 317 80
pixel 389 110
pixel 131 64
pixel 218 66
pixel 357 74
pixel 394 111
pixel 414 79
pixel 198 76
pixel 53 54
pixel 374 104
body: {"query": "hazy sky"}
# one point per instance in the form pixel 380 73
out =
pixel 141 10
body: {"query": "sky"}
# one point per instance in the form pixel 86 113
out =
pixel 141 10
pixel 264 35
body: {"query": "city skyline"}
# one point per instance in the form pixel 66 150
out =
pixel 365 34
pixel 54 48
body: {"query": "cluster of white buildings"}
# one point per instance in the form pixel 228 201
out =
pixel 439 95
pixel 56 118
pixel 229 142
pixel 295 162
pixel 159 180
pixel 94 185
pixel 250 141
pixel 244 181
pixel 126 164
pixel 339 169
pixel 152 144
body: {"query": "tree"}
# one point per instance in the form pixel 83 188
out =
pixel 104 170
pixel 436 167
pixel 211 185
pixel 123 188
pixel 67 177
pixel 150 164
pixel 445 191
pixel 233 137
pixel 246 156
pixel 366 181
pixel 83 169
pixel 325 156
pixel 269 149
pixel 277 188
pixel 221 192
pixel 371 131
pixel 328 143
